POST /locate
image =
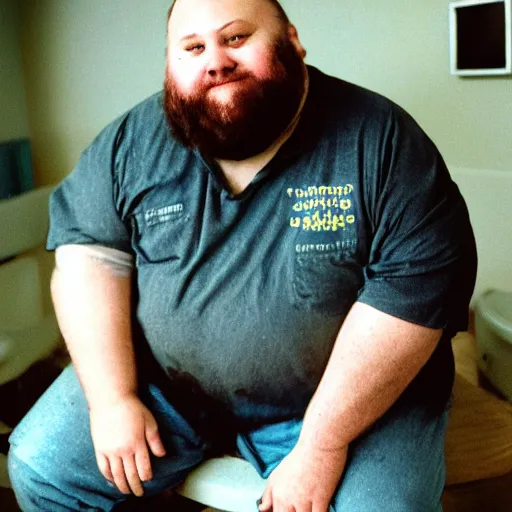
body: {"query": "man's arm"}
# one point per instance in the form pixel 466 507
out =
pixel 374 359
pixel 91 291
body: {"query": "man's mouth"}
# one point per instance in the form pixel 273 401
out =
pixel 227 81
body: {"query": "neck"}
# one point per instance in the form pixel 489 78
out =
pixel 239 174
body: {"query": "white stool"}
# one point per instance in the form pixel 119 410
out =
pixel 228 483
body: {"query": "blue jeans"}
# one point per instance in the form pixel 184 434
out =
pixel 397 465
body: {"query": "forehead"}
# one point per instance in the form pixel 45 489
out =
pixel 204 16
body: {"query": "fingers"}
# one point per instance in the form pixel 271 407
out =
pixel 104 466
pixel 153 439
pixel 143 463
pixel 265 504
pixel 124 474
pixel 281 507
pixel 128 472
pixel 124 459
pixel 132 475
pixel 272 503
pixel 119 478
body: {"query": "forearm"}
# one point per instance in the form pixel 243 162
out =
pixel 374 359
pixel 92 302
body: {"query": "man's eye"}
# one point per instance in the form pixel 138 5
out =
pixel 195 48
pixel 237 40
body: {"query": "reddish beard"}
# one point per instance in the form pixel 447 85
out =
pixel 259 113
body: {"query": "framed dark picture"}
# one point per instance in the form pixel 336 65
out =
pixel 481 37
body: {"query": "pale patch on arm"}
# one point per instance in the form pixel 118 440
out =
pixel 67 257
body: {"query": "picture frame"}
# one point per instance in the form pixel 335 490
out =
pixel 480 37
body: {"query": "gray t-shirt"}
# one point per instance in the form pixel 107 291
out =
pixel 241 297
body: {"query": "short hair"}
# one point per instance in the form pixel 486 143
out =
pixel 281 14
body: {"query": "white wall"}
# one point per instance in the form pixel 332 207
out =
pixel 87 61
pixel 13 107
pixel 488 194
pixel 400 48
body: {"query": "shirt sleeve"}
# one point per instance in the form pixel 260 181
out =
pixel 85 208
pixel 422 259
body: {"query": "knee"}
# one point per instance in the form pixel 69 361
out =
pixel 39 490
pixel 28 486
pixel 33 473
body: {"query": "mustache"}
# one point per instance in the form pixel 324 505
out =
pixel 235 76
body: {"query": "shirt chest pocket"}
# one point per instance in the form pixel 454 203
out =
pixel 326 283
pixel 159 234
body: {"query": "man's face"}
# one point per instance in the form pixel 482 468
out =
pixel 234 78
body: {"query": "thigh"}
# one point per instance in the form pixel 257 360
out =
pixel 53 445
pixel 396 465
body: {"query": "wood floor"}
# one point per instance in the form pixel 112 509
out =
pixel 486 448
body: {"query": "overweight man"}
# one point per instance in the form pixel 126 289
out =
pixel 261 259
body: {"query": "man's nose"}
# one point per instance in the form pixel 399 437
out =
pixel 220 62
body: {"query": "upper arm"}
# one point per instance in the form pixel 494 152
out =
pixel 422 260
pixel 86 207
pixel 392 337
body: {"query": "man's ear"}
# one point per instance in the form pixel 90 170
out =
pixel 294 38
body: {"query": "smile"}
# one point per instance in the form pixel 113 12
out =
pixel 227 82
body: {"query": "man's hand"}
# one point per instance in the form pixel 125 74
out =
pixel 305 481
pixel 121 434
